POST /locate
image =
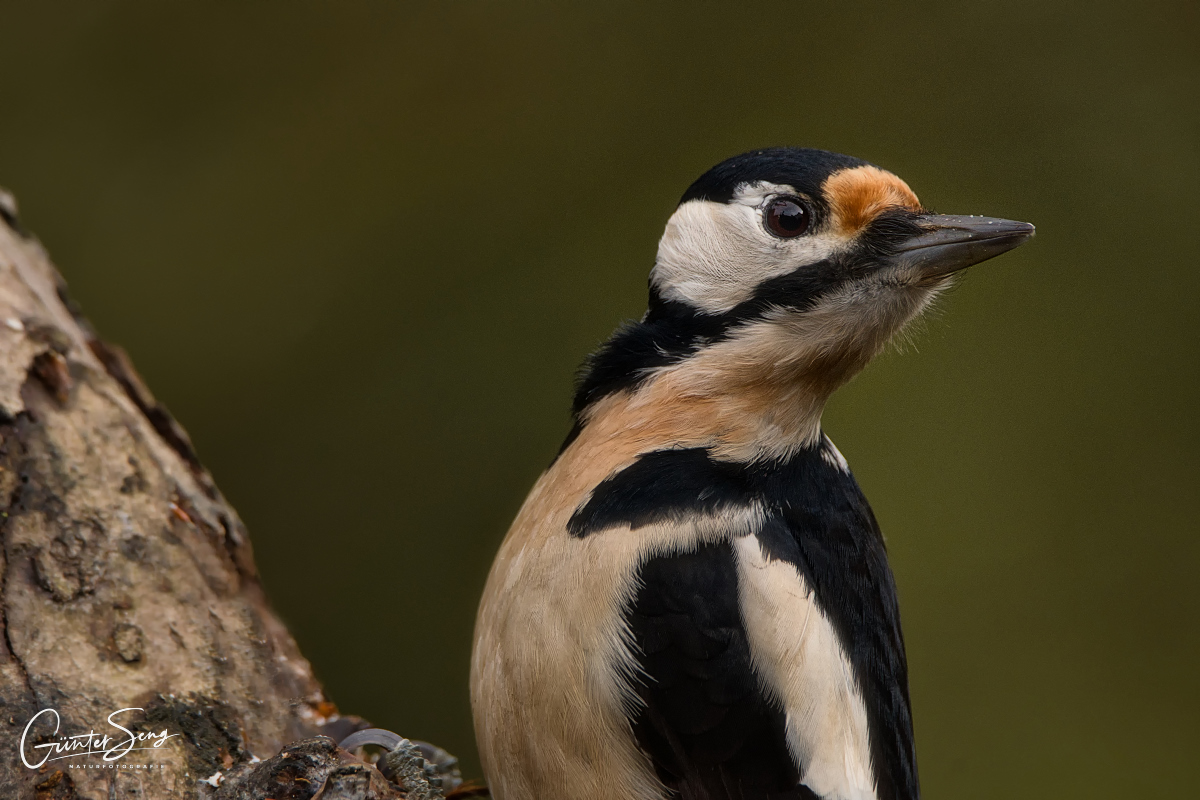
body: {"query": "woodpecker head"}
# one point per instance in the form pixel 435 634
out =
pixel 789 227
pixel 789 269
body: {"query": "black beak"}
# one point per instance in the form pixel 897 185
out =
pixel 951 243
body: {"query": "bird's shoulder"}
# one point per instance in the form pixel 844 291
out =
pixel 708 717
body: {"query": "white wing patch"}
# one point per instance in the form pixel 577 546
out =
pixel 797 654
pixel 833 457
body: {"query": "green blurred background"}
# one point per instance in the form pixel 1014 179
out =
pixel 359 249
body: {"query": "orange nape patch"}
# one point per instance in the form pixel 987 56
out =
pixel 858 195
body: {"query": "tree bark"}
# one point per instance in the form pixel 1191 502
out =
pixel 127 580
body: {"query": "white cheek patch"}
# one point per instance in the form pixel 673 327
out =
pixel 712 256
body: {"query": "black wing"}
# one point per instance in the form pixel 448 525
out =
pixel 706 724
pixel 708 727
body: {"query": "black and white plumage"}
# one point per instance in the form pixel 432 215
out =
pixel 695 600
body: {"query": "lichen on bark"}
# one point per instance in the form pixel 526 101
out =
pixel 126 579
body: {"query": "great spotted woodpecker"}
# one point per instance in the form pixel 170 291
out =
pixel 694 601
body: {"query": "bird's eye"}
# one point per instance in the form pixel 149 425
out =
pixel 786 217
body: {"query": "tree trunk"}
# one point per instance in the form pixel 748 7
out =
pixel 127 581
